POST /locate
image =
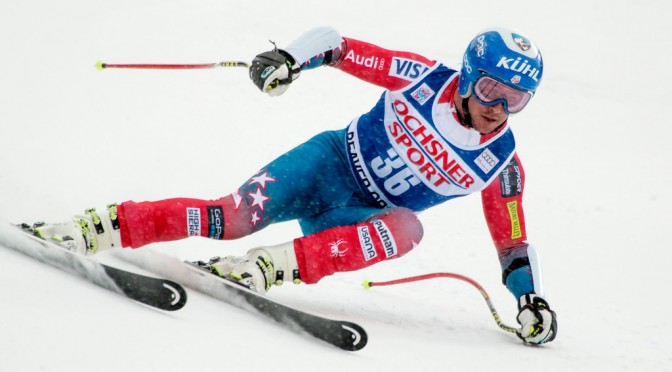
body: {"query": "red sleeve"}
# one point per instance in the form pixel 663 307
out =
pixel 386 68
pixel 503 207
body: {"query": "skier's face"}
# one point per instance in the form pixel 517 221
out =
pixel 485 119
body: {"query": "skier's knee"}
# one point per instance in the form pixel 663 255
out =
pixel 405 227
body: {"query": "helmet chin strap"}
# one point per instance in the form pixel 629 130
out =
pixel 465 118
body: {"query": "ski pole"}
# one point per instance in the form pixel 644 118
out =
pixel 368 284
pixel 100 65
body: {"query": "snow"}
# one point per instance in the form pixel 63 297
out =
pixel 593 141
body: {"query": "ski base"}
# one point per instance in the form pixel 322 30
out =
pixel 342 334
pixel 159 293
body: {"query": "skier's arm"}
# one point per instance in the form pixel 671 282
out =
pixel 521 273
pixel 383 67
pixel 503 208
pixel 273 71
pixel 389 69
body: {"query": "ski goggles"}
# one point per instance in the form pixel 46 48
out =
pixel 489 92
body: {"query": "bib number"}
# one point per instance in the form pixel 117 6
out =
pixel 398 177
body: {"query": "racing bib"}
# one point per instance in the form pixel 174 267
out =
pixel 402 152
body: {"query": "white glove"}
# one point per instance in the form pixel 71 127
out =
pixel 273 71
pixel 538 321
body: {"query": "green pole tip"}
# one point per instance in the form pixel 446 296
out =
pixel 366 284
pixel 100 65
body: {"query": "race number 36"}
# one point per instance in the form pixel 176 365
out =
pixel 398 177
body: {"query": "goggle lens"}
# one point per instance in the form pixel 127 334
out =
pixel 489 91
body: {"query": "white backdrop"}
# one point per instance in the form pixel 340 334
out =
pixel 593 142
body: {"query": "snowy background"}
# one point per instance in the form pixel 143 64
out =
pixel 594 142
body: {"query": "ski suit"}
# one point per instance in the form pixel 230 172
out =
pixel 355 191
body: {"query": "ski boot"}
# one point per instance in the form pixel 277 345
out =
pixel 85 234
pixel 259 269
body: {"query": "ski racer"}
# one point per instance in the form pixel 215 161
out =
pixel 435 134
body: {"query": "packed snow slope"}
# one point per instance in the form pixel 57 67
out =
pixel 594 142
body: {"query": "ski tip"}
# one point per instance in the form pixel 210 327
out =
pixel 178 296
pixel 100 66
pixel 355 337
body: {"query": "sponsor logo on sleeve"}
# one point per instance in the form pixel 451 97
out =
pixel 371 62
pixel 516 231
pixel 510 180
pixel 215 222
pixel 193 222
pixel 406 69
pixel 366 242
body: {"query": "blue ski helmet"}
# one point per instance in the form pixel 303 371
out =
pixel 504 55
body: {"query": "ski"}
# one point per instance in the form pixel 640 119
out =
pixel 159 293
pixel 342 334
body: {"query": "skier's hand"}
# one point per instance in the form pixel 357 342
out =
pixel 538 321
pixel 273 71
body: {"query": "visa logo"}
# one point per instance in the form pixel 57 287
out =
pixel 407 69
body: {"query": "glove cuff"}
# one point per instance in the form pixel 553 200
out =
pixel 532 300
pixel 293 67
pixel 290 58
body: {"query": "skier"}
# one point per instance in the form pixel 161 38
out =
pixel 434 135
